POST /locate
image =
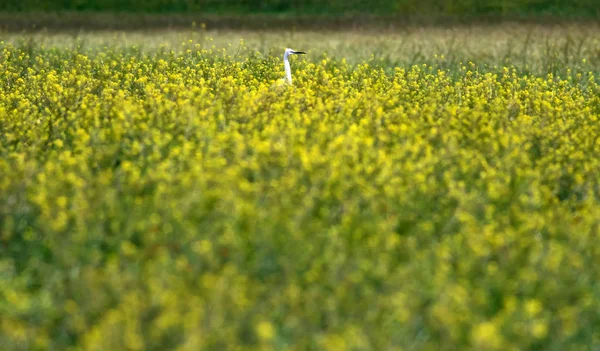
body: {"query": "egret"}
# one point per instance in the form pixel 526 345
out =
pixel 286 63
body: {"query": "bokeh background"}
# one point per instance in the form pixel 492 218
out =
pixel 332 7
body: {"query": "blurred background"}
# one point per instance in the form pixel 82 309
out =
pixel 253 14
pixel 585 8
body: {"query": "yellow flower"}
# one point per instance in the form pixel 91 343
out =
pixel 539 329
pixel 265 331
pixel 486 336
pixel 533 307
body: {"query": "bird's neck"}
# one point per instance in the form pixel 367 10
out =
pixel 288 69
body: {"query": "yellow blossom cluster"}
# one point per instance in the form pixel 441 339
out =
pixel 184 201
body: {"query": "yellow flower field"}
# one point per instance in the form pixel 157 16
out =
pixel 182 200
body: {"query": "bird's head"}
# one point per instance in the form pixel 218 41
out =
pixel 289 51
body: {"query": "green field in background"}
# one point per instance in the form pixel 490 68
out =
pixel 333 7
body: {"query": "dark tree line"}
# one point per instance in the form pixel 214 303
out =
pixel 329 7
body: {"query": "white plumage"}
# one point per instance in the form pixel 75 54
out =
pixel 286 63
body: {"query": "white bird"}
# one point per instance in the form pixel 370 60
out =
pixel 286 63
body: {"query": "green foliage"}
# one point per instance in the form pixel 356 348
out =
pixel 333 7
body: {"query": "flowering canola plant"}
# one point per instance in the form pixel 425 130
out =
pixel 180 201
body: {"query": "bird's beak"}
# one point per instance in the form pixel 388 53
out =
pixel 299 53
